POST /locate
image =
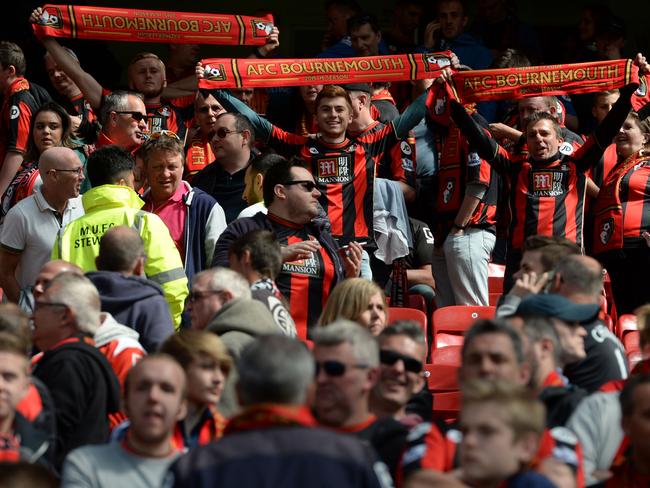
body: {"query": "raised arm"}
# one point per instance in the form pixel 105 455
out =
pixel 88 85
pixel 592 150
pixel 411 117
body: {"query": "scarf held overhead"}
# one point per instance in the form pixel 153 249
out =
pixel 266 73
pixel 512 83
pixel 135 25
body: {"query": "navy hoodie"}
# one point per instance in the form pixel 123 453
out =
pixel 136 302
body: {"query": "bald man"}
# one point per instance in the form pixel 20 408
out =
pixel 580 279
pixel 31 226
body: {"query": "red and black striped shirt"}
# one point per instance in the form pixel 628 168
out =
pixel 18 107
pixel 345 175
pixel 546 197
pixel 307 283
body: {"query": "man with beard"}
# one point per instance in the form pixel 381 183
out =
pixel 154 400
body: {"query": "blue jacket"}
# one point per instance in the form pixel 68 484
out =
pixel 204 222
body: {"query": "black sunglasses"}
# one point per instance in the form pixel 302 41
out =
pixel 335 368
pixel 308 185
pixel 391 357
pixel 137 116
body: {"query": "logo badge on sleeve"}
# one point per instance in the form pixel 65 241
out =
pixel 606 231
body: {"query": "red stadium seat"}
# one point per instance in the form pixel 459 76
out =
pixel 417 301
pixel 494 298
pixel 495 278
pixel 446 405
pixel 401 313
pixel 631 341
pixel 442 377
pixel 454 321
pixel 626 323
pixel 447 356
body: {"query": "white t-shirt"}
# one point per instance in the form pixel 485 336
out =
pixel 30 228
pixel 251 210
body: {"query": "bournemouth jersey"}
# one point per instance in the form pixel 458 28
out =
pixel 345 175
pixel 306 283
pixel 15 118
pixel 174 115
pixel 622 210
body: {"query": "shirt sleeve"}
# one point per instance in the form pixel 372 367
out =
pixel 13 236
pixel 20 116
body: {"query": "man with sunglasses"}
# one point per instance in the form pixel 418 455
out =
pixel 402 350
pixel 347 370
pixel 124 120
pixel 313 263
pixel 30 228
pixel 146 75
pixel 199 151
pixel 225 178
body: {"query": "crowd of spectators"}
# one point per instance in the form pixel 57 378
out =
pixel 203 287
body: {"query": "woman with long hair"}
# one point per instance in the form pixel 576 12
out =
pixel 359 300
pixel 50 127
pixel 622 216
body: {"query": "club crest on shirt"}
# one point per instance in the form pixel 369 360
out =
pixel 566 148
pixel 51 17
pixel 448 191
pixel 333 169
pixel 14 112
pixel 214 72
pixel 547 183
pixel 262 28
pixel 308 267
pixel 606 231
pixel 406 148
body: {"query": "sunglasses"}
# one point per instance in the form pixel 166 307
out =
pixel 411 365
pixel 154 136
pixel 335 368
pixel 307 185
pixel 137 116
pixel 222 133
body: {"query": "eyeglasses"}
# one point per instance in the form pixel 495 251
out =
pixel 200 295
pixel 41 305
pixel 137 116
pixel 391 357
pixel 78 170
pixel 335 368
pixel 222 133
pixel 307 185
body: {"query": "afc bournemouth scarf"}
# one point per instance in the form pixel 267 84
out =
pixel 135 25
pixel 266 73
pixel 513 83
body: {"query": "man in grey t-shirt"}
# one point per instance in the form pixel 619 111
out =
pixel 154 400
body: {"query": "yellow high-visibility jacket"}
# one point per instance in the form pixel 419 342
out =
pixel 107 206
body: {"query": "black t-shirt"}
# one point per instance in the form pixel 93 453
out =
pixel 422 252
pixel 605 361
pixel 224 187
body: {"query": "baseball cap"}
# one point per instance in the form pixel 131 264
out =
pixel 364 87
pixel 553 305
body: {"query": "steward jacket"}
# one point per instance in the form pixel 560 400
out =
pixel 107 206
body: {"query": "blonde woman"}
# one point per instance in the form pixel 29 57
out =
pixel 359 300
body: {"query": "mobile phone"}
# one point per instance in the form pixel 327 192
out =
pixel 549 281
